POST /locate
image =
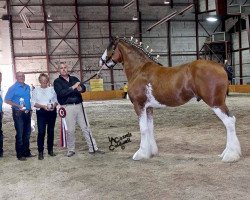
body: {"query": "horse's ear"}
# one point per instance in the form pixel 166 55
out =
pixel 112 38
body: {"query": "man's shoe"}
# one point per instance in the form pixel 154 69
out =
pixel 70 153
pixel 98 151
pixel 40 156
pixel 1 155
pixel 22 158
pixel 51 153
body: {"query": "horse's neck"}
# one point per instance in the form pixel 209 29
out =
pixel 133 59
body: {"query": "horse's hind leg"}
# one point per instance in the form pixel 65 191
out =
pixel 144 150
pixel 232 151
pixel 153 145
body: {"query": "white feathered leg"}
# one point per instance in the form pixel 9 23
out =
pixel 232 151
pixel 144 150
pixel 153 145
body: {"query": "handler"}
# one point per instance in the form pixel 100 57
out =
pixel 68 89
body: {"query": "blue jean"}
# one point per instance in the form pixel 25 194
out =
pixel 22 122
pixel 1 134
pixel 45 118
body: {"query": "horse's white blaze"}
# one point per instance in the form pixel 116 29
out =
pixel 104 56
pixel 152 102
pixel 232 151
pixel 110 63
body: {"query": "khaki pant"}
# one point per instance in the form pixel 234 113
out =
pixel 74 113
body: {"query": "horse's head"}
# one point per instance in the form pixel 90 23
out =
pixel 111 55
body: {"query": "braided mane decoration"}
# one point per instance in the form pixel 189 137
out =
pixel 140 47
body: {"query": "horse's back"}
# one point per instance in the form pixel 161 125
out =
pixel 207 65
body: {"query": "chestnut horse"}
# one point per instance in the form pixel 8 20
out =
pixel 152 85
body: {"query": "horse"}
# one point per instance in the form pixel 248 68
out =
pixel 151 85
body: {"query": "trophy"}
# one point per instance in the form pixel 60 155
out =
pixel 50 105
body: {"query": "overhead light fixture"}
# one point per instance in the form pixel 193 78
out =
pixel 170 16
pixel 166 2
pixel 25 20
pixel 211 19
pixel 135 18
pixel 128 4
pixel 27 23
pixel 49 19
pixel 164 19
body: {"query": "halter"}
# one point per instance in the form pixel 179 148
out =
pixel 97 73
pixel 110 58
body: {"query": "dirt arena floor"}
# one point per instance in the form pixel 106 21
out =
pixel 189 138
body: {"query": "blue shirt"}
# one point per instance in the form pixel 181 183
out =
pixel 1 102
pixel 17 91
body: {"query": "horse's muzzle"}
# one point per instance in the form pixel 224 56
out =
pixel 103 64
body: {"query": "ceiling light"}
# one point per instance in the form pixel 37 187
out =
pixel 166 2
pixel 25 20
pixel 135 18
pixel 49 19
pixel 128 4
pixel 211 19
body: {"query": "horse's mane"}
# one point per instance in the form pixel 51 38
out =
pixel 140 47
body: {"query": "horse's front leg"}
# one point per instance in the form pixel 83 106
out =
pixel 150 121
pixel 145 147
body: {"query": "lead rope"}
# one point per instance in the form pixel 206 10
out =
pixel 97 73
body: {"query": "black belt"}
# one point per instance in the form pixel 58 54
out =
pixel 22 111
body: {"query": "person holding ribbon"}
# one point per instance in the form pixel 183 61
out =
pixel 45 102
pixel 18 96
pixel 68 89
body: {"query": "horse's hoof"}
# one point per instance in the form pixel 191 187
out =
pixel 139 155
pixel 230 155
pixel 231 158
pixel 223 153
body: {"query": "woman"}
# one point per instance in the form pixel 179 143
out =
pixel 45 101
